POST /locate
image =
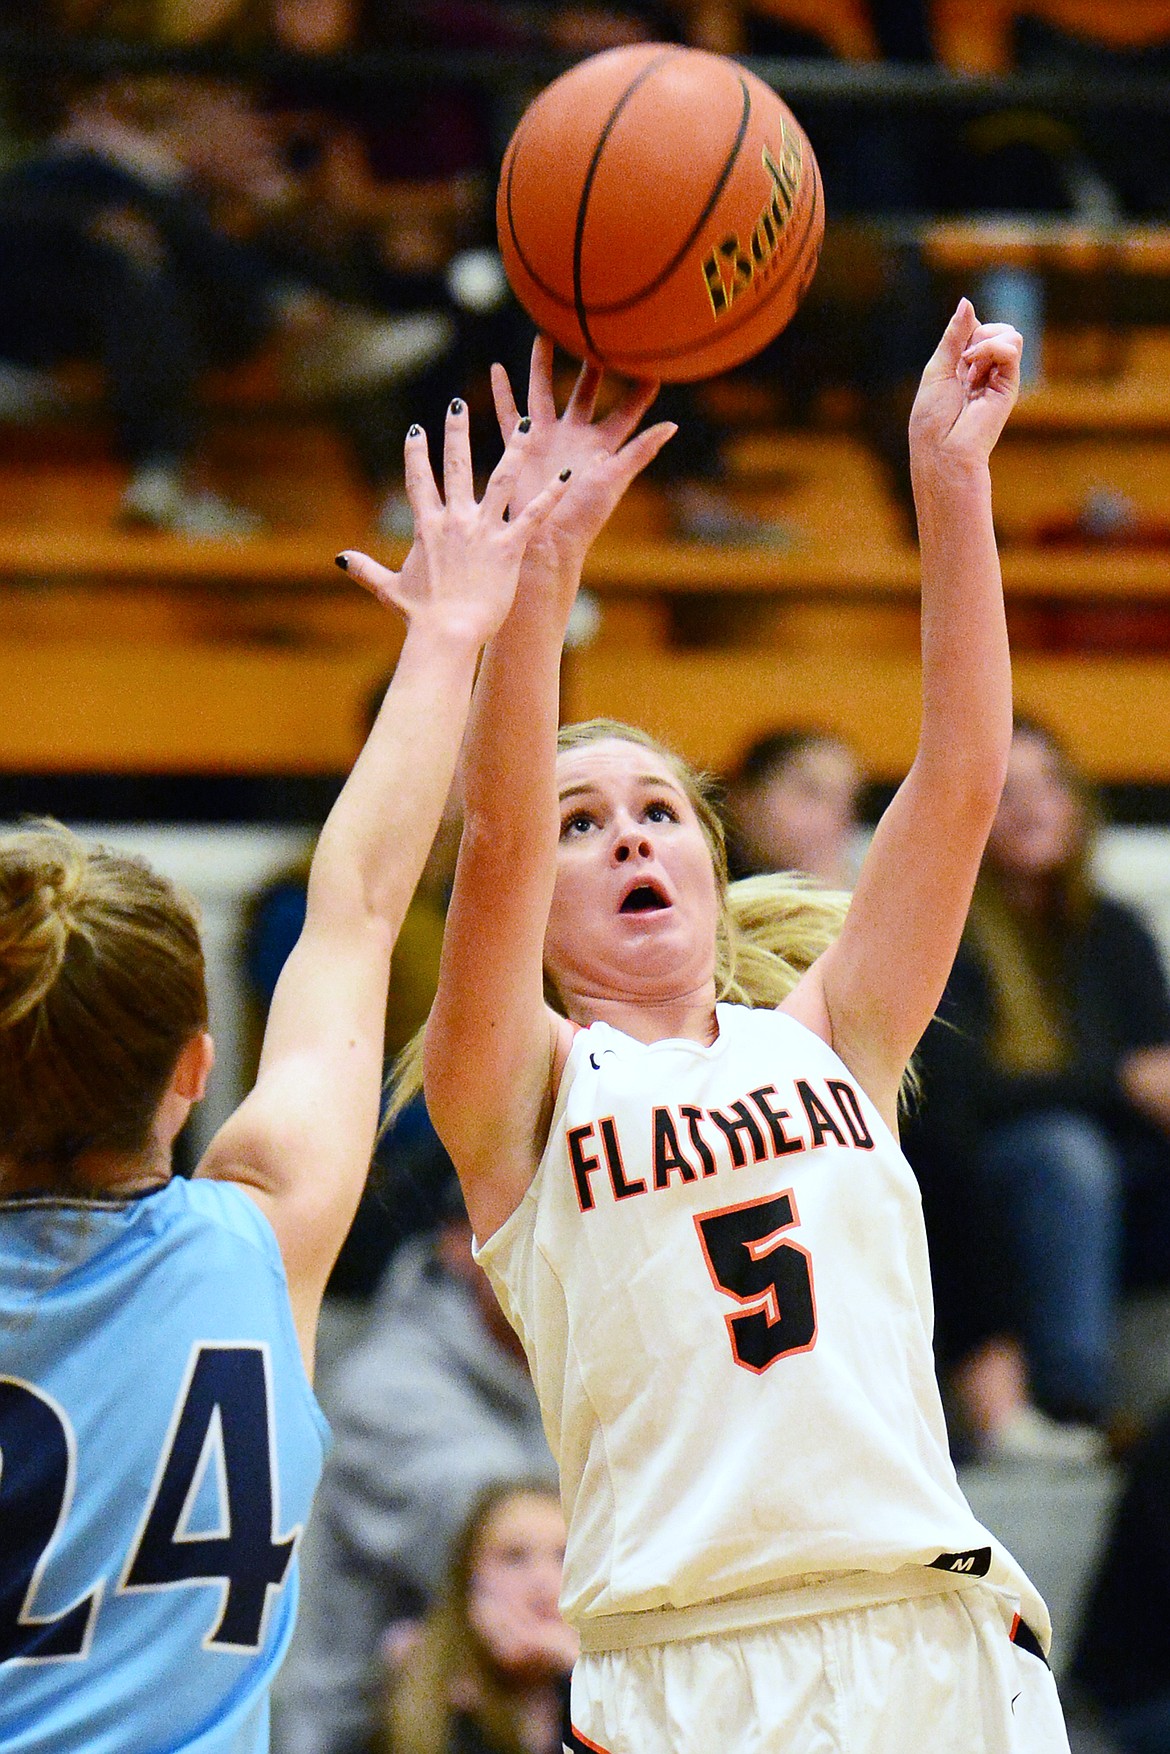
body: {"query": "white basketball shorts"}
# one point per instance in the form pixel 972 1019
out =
pixel 950 1673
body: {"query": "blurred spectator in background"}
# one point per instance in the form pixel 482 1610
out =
pixel 392 184
pixel 432 1406
pixel 1122 1655
pixel 125 241
pixel 1086 164
pixel 392 210
pixel 792 805
pixel 1047 1085
pixel 487 1670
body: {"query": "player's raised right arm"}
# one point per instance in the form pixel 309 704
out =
pixel 493 1048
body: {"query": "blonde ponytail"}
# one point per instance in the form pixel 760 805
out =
pixel 776 927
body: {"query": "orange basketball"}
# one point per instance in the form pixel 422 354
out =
pixel 660 211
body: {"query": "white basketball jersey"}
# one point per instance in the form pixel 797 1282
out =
pixel 720 1277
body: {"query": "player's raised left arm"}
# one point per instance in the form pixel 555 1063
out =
pixel 873 993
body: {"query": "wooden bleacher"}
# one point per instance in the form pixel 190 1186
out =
pixel 129 652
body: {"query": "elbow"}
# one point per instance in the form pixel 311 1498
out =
pixel 970 779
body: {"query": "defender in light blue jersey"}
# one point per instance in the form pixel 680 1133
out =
pixel 158 1497
pixel 159 1439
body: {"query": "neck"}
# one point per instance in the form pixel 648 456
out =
pixel 683 1017
pixel 98 1174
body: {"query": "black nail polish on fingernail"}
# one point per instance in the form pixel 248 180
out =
pixel 415 431
pixel 456 406
pixel 525 425
pixel 564 474
pixel 341 561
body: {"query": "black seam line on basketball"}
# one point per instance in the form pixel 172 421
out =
pixel 550 292
pixel 664 274
pixel 778 285
pixel 590 175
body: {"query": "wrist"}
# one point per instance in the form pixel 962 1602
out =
pixel 460 633
pixel 952 485
pixel 939 467
pixel 545 598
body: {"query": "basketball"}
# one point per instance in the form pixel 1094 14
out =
pixel 660 212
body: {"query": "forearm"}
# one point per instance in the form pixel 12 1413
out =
pixel 508 771
pixel 375 841
pixel 966 666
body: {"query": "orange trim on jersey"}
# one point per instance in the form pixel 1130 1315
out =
pixel 582 1744
pixel 1022 1635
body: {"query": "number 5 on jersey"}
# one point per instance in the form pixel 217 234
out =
pixel 749 1260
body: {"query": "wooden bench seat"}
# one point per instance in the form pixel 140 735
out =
pixel 976 242
pixel 128 652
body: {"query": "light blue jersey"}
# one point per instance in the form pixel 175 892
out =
pixel 159 1450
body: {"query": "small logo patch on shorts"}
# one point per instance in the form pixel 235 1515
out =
pixel 976 1563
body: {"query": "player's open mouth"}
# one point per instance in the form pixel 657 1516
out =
pixel 646 898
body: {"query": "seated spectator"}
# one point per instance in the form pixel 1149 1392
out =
pixel 431 1407
pixel 487 1670
pixel 1085 163
pixel 1122 1655
pixel 392 188
pixel 120 242
pixel 1047 1087
pixel 792 805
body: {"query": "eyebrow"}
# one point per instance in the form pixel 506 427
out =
pixel 583 788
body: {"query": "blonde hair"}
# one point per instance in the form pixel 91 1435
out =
pixel 101 987
pixel 769 930
pixel 449 1653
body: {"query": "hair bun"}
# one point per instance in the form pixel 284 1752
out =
pixel 39 884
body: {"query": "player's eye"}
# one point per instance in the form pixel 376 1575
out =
pixel 579 823
pixel 661 811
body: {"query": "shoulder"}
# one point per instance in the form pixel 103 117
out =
pixel 230 1209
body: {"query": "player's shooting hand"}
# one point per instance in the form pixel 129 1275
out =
pixel 967 391
pixel 604 455
pixel 463 566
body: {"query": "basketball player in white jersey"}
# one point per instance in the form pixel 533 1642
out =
pixel 685 1179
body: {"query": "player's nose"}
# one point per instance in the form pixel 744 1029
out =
pixel 631 842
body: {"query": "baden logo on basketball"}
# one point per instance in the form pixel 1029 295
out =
pixel 731 267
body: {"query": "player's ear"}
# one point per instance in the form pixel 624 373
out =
pixel 193 1068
